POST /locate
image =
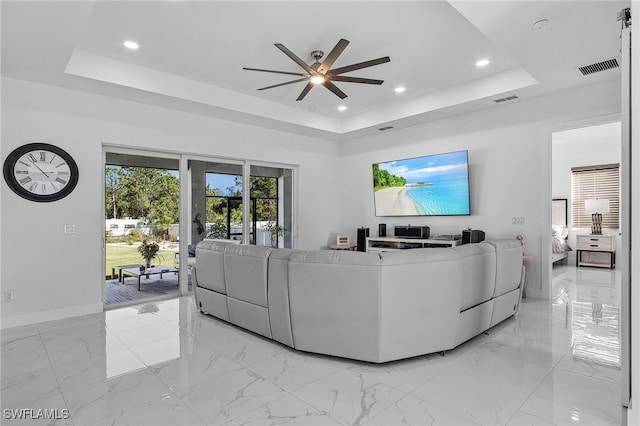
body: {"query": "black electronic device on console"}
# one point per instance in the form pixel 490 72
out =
pixel 421 232
pixel 363 233
pixel 472 236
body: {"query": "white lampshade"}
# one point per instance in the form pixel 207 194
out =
pixel 596 206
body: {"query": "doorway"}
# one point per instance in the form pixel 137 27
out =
pixel 142 199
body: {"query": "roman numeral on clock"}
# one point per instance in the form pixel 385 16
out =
pixel 62 181
pixel 25 180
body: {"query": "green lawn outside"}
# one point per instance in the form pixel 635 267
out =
pixel 117 254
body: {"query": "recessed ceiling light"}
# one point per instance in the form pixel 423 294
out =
pixel 129 44
pixel 482 63
pixel 399 89
pixel 342 108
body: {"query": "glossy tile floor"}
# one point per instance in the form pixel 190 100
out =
pixel 164 363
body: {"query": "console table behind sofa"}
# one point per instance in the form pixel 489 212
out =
pixel 374 307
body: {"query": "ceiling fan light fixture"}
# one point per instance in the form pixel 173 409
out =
pixel 482 63
pixel 317 79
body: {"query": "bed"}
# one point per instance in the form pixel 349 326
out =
pixel 559 231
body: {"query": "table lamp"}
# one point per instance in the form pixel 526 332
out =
pixel 596 207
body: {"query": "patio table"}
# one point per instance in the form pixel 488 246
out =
pixel 154 270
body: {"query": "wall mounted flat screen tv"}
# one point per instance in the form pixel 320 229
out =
pixel 433 185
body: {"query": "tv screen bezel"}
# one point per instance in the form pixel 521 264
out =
pixel 375 206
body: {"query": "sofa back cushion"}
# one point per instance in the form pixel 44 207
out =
pixel 278 296
pixel 478 273
pixel 335 302
pixel 245 271
pixel 210 264
pixel 508 265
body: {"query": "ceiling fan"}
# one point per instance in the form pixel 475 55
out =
pixel 321 73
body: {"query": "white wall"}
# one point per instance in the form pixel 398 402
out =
pixel 600 144
pixel 509 173
pixel 54 275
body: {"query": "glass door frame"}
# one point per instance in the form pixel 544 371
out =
pixel 141 152
pixel 186 202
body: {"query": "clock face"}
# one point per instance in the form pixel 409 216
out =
pixel 41 172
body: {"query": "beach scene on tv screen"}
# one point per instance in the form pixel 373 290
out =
pixel 435 185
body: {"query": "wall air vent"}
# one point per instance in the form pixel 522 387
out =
pixel 382 129
pixel 600 66
pixel 508 98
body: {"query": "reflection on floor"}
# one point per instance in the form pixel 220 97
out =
pixel 165 363
pixel 152 287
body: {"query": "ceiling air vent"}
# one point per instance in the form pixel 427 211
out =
pixel 508 98
pixel 599 66
pixel 385 128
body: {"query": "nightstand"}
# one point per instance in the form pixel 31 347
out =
pixel 596 250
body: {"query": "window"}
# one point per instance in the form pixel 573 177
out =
pixel 113 226
pixel 595 182
pixel 129 226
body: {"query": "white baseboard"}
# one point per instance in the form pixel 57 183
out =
pixel 54 314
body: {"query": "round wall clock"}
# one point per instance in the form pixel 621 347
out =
pixel 40 172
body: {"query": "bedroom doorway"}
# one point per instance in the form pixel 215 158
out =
pixel 586 280
pixel 578 149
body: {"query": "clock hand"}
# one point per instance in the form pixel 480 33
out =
pixel 43 172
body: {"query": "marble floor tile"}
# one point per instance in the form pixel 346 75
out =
pixel 21 355
pixel 227 397
pixel 598 397
pixel 540 412
pixel 165 411
pixel 51 411
pixel 28 387
pixel 577 365
pixel 113 396
pixel 348 397
pixel 291 370
pixel 252 349
pixel 407 375
pixel 412 411
pixel 69 345
pixel 475 399
pixel 492 364
pixel 149 334
pixel 88 322
pixel 197 363
pixel 286 410
pixel 163 362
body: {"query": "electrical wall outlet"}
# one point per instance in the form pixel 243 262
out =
pixel 517 220
pixel 69 229
pixel 8 296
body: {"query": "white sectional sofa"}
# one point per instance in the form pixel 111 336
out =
pixel 374 307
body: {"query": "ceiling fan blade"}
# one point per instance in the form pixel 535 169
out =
pixel 295 59
pixel 304 92
pixel 329 85
pixel 359 65
pixel 348 79
pixel 333 55
pixel 283 84
pixel 277 72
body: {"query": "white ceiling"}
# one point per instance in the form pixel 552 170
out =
pixel 192 53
